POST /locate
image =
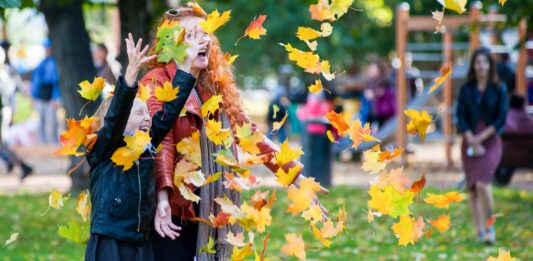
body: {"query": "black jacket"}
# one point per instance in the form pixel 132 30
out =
pixel 123 203
pixel 491 107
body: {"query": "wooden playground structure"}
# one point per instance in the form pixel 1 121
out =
pixel 406 24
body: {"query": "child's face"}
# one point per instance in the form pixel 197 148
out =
pixel 139 118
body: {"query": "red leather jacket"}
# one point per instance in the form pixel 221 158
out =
pixel 183 128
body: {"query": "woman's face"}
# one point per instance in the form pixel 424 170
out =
pixel 482 66
pixel 192 24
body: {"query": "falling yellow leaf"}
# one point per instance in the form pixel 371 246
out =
pixel 404 230
pixel 445 71
pixel 166 93
pixel 215 20
pixel 419 123
pixel 295 246
pixel 338 122
pixel 144 92
pixel 302 197
pixel 255 30
pixel 316 87
pixel 320 237
pixel 230 58
pixel 239 254
pixel 359 133
pixel 443 200
pixel 458 6
pixel 287 178
pixel 91 91
pixel 502 2
pixel 211 106
pixel 389 201
pixel 248 138
pixel 83 206
pixel 439 17
pixel 135 145
pixel 313 214
pixel 442 223
pixel 371 162
pixel 215 133
pixel 56 199
pixel 190 148
pixel 287 154
pixel 324 10
pixel 502 256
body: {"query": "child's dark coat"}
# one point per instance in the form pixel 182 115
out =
pixel 123 203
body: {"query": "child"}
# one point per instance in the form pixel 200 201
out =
pixel 123 202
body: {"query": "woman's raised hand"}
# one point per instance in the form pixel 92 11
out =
pixel 136 59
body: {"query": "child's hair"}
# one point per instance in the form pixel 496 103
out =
pixel 102 111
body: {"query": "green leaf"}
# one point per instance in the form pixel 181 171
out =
pixel 167 47
pixel 75 232
pixel 10 3
pixel 209 248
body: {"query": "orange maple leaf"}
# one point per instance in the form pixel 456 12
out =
pixel 255 30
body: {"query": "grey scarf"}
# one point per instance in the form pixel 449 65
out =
pixel 211 191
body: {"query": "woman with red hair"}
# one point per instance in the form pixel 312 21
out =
pixel 176 235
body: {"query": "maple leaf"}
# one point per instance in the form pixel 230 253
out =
pixel 209 248
pixel 439 16
pixel 307 34
pixel 287 154
pixel 170 44
pixel 404 230
pixel 215 133
pixel 389 201
pixel 228 207
pixel 230 58
pixel 395 179
pixel 458 6
pixel 248 139
pixel 301 198
pixel 324 10
pixel 255 30
pixel 502 2
pixel 502 256
pixel 492 220
pixel 11 239
pixel 239 254
pixel 295 246
pixel 83 206
pixel 277 125
pixel 211 106
pixel 187 193
pixel 338 122
pixel 166 93
pixel 445 72
pixel 371 162
pixel 74 231
pixel 77 134
pixel 220 220
pixel 235 240
pixel 419 123
pixel 197 8
pixel 255 219
pixel 305 60
pixel 287 178
pixel 215 20
pixel 320 237
pixel 359 133
pixel 387 155
pixel 313 214
pixel 212 178
pixel 443 200
pixel 187 172
pixel 135 145
pixel 91 91
pixel 442 223
pixel 56 199
pixel 190 148
pixel 144 92
pixel 239 183
pixel 316 87
pixel 418 185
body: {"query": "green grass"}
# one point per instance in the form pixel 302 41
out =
pixel 362 241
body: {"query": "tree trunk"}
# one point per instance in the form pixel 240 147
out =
pixel 70 47
pixel 135 19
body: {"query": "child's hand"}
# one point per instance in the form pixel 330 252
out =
pixel 163 218
pixel 198 42
pixel 136 59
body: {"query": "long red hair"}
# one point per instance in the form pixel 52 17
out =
pixel 218 76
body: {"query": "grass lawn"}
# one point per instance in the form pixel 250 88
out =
pixel 39 240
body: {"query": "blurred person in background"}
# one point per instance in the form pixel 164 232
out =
pixel 103 69
pixel 481 113
pixel 380 92
pixel 351 91
pixel 277 109
pixel 46 95
pixel 506 71
pixel 8 88
pixel 517 120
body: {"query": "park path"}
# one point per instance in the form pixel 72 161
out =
pixel 426 159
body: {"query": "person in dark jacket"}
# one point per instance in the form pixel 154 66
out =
pixel 481 112
pixel 123 202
